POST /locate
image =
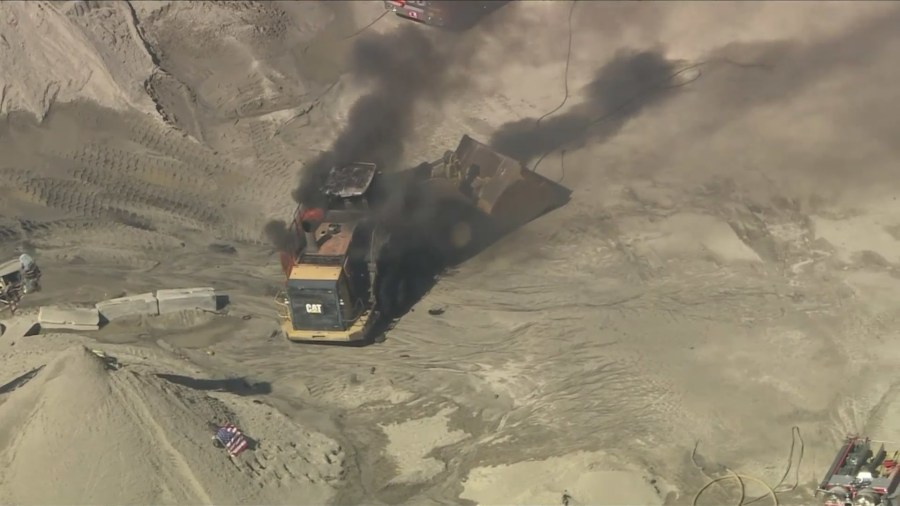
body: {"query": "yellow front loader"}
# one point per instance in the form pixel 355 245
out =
pixel 383 237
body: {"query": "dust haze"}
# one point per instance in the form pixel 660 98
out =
pixel 726 270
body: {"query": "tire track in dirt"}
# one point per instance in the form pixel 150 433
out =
pixel 175 144
pixel 177 206
pixel 89 203
pixel 599 386
pixel 273 166
pixel 61 237
pixel 103 244
pixel 142 175
pixel 248 194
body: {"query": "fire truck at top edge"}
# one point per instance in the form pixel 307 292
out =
pixel 443 13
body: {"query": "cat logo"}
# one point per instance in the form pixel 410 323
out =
pixel 314 308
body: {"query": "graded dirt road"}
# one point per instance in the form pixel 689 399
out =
pixel 726 270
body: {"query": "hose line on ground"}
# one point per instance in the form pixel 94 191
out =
pixel 741 479
pixel 795 437
pixel 771 492
pixel 566 74
pixel 361 30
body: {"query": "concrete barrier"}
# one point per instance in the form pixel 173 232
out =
pixel 69 318
pixel 19 326
pixel 184 299
pixel 134 305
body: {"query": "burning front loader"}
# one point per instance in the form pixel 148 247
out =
pixel 352 269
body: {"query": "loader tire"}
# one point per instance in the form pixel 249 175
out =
pixel 457 228
pixel 391 292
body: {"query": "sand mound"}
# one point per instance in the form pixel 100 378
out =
pixel 58 52
pixel 120 436
pixel 259 43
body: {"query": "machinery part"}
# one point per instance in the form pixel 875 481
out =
pixel 18 278
pixel 446 218
pixel 405 274
pixel 10 296
pixel 502 188
pixel 31 274
pixel 836 496
pixel 867 497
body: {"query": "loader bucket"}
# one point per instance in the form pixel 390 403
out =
pixel 509 193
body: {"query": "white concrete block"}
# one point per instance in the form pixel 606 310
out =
pixel 134 305
pixel 69 318
pixel 68 326
pixel 18 327
pixel 184 299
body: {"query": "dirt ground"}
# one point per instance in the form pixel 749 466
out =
pixel 725 272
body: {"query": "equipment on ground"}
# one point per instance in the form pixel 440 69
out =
pixel 382 236
pixel 18 278
pixel 862 475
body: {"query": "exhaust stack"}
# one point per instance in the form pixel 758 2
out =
pixel 309 222
pixel 312 246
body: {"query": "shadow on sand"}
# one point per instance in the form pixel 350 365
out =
pixel 420 250
pixel 237 386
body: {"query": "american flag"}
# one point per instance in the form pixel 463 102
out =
pixel 232 439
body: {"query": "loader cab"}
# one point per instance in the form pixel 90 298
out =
pixel 322 304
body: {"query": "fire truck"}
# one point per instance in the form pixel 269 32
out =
pixel 458 14
pixel 864 473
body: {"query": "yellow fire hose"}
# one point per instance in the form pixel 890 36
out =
pixel 741 478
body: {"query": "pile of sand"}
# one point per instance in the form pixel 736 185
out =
pixel 77 431
pixel 61 52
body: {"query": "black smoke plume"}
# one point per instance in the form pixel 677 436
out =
pixel 281 237
pixel 403 68
pixel 622 88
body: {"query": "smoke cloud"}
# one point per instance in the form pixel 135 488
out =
pixel 623 87
pixel 280 235
pixel 403 68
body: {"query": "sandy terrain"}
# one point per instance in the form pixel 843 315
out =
pixel 726 270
